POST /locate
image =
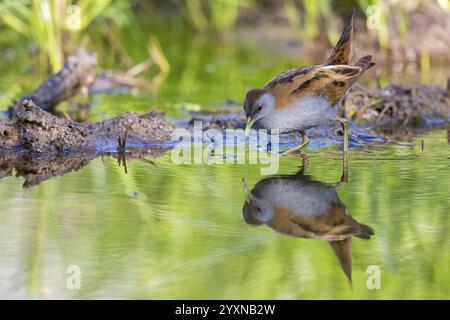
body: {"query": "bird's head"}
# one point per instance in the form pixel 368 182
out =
pixel 258 104
pixel 256 210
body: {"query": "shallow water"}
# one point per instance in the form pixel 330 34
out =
pixel 169 231
pixel 178 231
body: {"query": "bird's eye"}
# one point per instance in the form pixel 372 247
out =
pixel 259 109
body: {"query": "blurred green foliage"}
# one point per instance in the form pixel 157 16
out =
pixel 218 15
pixel 45 22
pixel 53 24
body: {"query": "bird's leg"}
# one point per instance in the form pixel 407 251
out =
pixel 305 141
pixel 344 176
pixel 302 169
pixel 344 126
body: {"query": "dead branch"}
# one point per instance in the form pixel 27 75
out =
pixel 74 77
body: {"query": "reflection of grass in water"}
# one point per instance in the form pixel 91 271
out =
pixel 183 235
pixel 34 260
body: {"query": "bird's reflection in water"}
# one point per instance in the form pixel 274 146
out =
pixel 298 206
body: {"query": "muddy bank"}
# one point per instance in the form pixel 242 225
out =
pixel 36 130
pixel 393 106
pixel 32 126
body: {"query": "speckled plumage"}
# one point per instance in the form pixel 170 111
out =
pixel 301 207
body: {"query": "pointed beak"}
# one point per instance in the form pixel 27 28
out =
pixel 248 195
pixel 249 125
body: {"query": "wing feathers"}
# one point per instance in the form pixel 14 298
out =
pixel 284 84
pixel 288 76
pixel 342 52
pixel 331 82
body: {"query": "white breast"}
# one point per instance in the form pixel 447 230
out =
pixel 305 113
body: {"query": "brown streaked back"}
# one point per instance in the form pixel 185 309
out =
pixel 329 81
pixel 332 81
pixel 334 225
pixel 282 85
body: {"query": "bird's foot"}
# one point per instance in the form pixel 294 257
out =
pixel 299 147
pixel 291 151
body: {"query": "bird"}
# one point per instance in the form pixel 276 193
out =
pixel 299 206
pixel 305 97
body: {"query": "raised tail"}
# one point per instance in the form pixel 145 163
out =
pixel 364 232
pixel 342 52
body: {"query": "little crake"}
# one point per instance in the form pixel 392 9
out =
pixel 302 98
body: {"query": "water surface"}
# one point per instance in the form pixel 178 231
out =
pixel 170 231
